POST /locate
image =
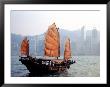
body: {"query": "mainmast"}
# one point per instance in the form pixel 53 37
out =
pixel 58 43
pixel 52 44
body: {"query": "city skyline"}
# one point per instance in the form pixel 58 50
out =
pixel 87 43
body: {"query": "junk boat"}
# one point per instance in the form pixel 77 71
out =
pixel 50 63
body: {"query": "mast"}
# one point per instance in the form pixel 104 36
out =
pixel 25 47
pixel 67 52
pixel 58 43
pixel 52 46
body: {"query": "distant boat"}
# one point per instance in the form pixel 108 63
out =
pixel 50 63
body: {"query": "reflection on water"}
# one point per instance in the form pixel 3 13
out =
pixel 86 66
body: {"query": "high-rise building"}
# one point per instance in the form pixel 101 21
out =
pixel 94 36
pixel 82 33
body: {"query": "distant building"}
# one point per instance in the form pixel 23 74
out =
pixel 82 33
pixel 94 36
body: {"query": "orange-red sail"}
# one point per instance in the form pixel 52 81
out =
pixel 25 47
pixel 67 52
pixel 52 42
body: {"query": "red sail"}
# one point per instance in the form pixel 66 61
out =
pixel 52 42
pixel 67 52
pixel 25 47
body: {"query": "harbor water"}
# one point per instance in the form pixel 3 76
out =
pixel 85 66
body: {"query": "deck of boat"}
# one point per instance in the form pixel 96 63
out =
pixel 37 66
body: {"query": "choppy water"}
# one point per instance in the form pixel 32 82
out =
pixel 86 66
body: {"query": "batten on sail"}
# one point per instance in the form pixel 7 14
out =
pixel 67 52
pixel 52 42
pixel 25 47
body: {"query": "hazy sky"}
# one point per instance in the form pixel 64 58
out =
pixel 37 22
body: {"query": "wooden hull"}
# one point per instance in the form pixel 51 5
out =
pixel 43 66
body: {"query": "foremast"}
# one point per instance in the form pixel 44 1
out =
pixel 25 47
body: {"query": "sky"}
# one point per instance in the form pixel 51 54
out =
pixel 37 22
